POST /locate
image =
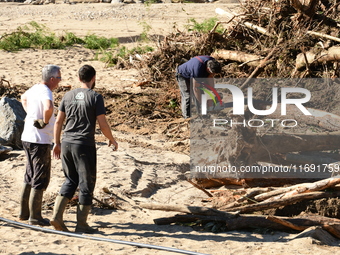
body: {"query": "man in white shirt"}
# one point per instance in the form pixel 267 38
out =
pixel 37 140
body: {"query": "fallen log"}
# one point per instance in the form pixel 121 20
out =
pixel 189 209
pixel 323 36
pixel 186 218
pixel 316 58
pixel 298 189
pixel 249 221
pixel 264 205
pixel 318 233
pixel 200 188
pixel 286 223
pixel 332 228
pixel 238 56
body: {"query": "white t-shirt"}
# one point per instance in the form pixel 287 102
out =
pixel 35 97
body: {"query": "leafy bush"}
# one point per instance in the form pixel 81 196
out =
pixel 31 35
pixel 112 57
pixel 34 35
pixel 94 42
pixel 204 27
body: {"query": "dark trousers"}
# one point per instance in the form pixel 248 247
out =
pixel 79 164
pixel 38 166
pixel 186 98
pixel 184 87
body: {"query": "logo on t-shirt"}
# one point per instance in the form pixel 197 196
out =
pixel 80 96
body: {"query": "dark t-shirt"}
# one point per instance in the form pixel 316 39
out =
pixel 194 68
pixel 81 107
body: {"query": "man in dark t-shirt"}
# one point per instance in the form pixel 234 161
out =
pixel 81 108
pixel 198 71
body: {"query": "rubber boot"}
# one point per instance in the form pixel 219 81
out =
pixel 59 207
pixel 82 226
pixel 35 203
pixel 24 213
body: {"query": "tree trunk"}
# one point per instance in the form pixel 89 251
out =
pixel 282 202
pixel 238 56
pixel 189 209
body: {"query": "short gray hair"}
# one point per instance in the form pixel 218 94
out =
pixel 50 71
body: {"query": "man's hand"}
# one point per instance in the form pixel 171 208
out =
pixel 39 123
pixel 56 151
pixel 114 144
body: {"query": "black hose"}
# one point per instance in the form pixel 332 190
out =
pixel 141 245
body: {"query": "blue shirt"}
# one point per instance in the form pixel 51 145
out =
pixel 195 68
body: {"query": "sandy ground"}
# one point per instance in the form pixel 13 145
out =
pixel 137 174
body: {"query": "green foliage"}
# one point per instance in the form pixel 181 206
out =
pixel 34 35
pixel 112 57
pixel 146 28
pixel 71 39
pixel 94 42
pixel 31 35
pixel 173 104
pixel 204 27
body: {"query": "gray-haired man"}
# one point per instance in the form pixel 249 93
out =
pixel 36 140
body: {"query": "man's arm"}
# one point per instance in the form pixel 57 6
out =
pixel 57 134
pixel 197 92
pixel 210 81
pixel 48 110
pixel 106 130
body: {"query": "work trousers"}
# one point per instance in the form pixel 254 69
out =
pixel 186 98
pixel 38 165
pixel 79 164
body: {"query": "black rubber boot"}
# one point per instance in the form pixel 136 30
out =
pixel 35 203
pixel 59 207
pixel 24 213
pixel 82 226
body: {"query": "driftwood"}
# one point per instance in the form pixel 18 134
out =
pixel 332 228
pixel 298 189
pixel 200 188
pixel 189 209
pixel 264 205
pixel 318 233
pixel 316 58
pixel 249 221
pixel 244 58
pixel 185 218
pixel 286 223
pixel 324 36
